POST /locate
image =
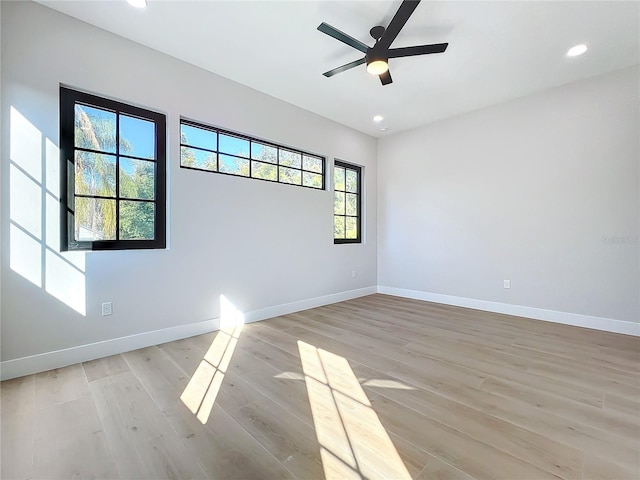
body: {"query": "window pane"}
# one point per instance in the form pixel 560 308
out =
pixel 312 180
pixel 352 227
pixel 137 179
pixel 338 203
pixel 95 174
pixel 352 204
pixel 137 137
pixel 338 178
pixel 264 153
pixel 234 146
pixel 136 220
pixel 95 128
pixel 313 164
pixel 265 171
pixel 338 227
pixel 192 157
pixel 289 175
pixel 234 165
pixel 198 137
pixel 95 219
pixel 290 159
pixel 352 181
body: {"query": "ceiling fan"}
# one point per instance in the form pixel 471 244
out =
pixel 377 57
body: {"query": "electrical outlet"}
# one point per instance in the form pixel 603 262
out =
pixel 107 309
pixel 353 274
pixel 507 284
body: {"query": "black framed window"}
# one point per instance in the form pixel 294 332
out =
pixel 113 174
pixel 212 149
pixel 347 203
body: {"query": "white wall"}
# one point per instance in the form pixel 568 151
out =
pixel 543 190
pixel 260 244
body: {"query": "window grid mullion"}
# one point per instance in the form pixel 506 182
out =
pixel 217 150
pixel 117 175
pixel 278 162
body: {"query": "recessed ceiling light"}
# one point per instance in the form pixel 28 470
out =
pixel 137 3
pixel 383 129
pixel 577 50
pixel 378 118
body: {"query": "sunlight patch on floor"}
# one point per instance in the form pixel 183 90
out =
pixel 353 442
pixel 202 390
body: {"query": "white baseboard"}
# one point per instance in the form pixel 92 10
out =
pixel 293 307
pixel 83 353
pixel 61 358
pixel 586 321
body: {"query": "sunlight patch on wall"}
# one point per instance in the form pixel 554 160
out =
pixel 34 240
pixel 25 147
pixel 64 282
pixel 202 390
pixel 353 442
pixel 25 202
pixel 26 255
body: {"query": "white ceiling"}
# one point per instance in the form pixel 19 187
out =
pixel 497 50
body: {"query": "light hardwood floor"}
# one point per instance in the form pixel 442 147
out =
pixel 376 387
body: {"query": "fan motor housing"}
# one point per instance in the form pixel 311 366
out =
pixel 376 54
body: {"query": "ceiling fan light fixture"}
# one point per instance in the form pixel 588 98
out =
pixel 377 67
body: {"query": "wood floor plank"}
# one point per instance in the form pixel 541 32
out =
pixel 438 470
pixel 288 342
pixel 592 355
pixel 143 443
pixel 17 405
pixel 230 452
pixel 285 436
pixel 189 352
pixel 414 458
pixel 597 468
pixel 451 446
pixel 567 431
pixel 60 385
pixel 69 442
pixel 496 365
pixel 624 406
pixel 594 417
pixel 617 384
pixel 543 452
pixel 103 367
pixel 289 393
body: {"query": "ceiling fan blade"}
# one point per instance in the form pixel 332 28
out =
pixel 417 50
pixel 385 78
pixel 343 37
pixel 344 67
pixel 398 21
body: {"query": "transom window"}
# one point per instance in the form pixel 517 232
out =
pixel 347 218
pixel 215 150
pixel 113 158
